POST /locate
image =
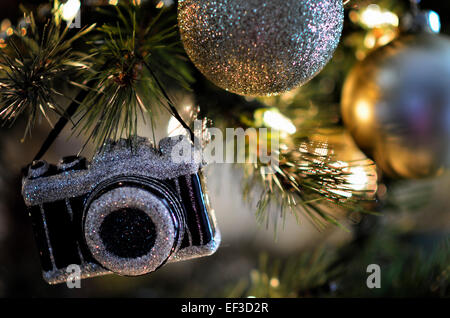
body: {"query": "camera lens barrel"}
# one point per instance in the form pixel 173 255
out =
pixel 132 230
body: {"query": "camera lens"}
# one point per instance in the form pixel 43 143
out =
pixel 128 233
pixel 130 230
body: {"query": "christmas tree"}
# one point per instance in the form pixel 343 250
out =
pixel 332 118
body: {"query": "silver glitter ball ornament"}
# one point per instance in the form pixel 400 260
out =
pixel 260 47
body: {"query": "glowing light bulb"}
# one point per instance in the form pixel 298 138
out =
pixel 275 120
pixel 374 17
pixel 69 10
pixel 274 282
pixel 370 41
pixel 174 128
pixel 434 22
pixel 343 193
pixel 6 24
pixel 358 178
pixel 363 111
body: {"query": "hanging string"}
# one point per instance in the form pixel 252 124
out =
pixel 62 122
pixel 172 108
pixel 73 107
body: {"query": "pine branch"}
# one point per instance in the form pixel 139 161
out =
pixel 412 264
pixel 306 275
pixel 308 180
pixel 408 270
pixel 33 67
pixel 136 51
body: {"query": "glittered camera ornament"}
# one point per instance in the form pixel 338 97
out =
pixel 129 212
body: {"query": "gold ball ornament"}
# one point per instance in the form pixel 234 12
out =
pixel 260 47
pixel 396 105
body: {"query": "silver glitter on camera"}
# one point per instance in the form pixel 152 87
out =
pixel 133 209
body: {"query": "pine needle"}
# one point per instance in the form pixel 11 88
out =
pixel 32 68
pixel 126 88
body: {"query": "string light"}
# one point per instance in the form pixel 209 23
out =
pixel 5 31
pixel 373 17
pixel 174 128
pixel 277 121
pixel 434 21
pixel 363 111
pixel 5 25
pixel 163 3
pixel 358 178
pixel 69 10
pixel 274 282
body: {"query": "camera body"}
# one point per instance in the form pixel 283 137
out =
pixel 130 211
